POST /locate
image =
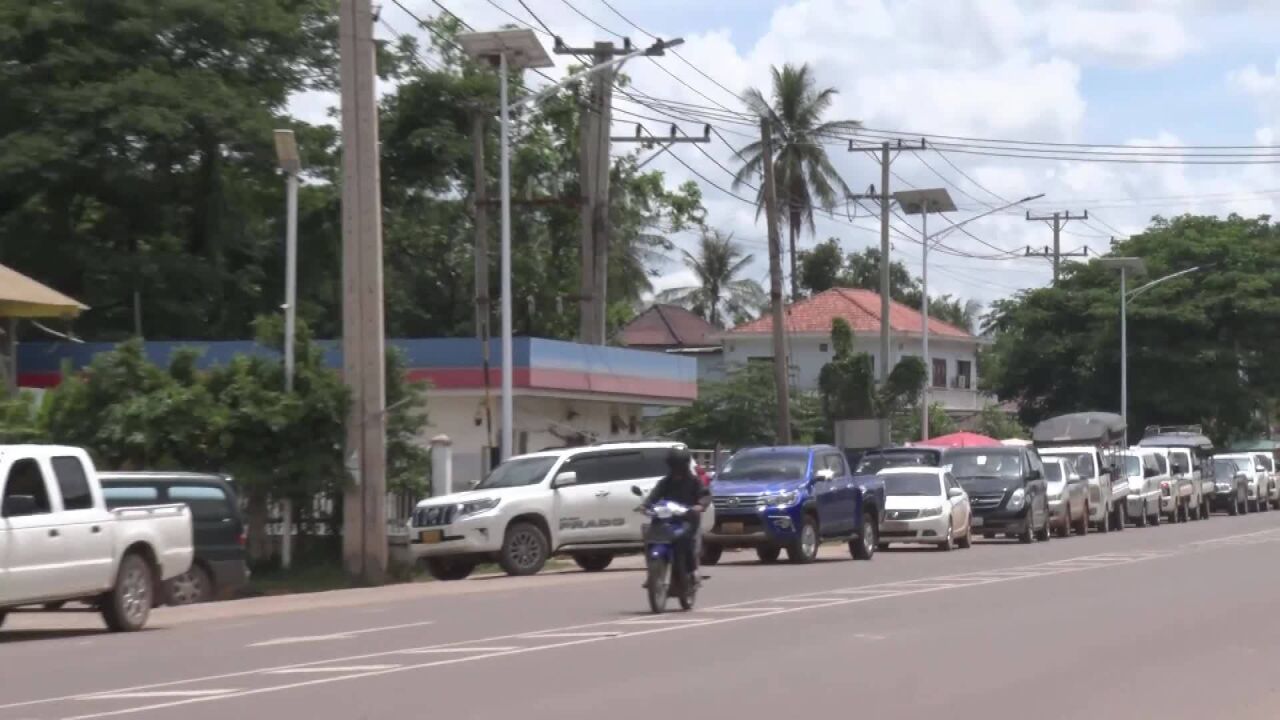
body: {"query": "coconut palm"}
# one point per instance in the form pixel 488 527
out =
pixel 721 293
pixel 803 174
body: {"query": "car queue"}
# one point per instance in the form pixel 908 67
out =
pixel 1077 475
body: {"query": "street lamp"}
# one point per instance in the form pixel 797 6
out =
pixel 521 49
pixel 291 164
pixel 923 202
pixel 1137 267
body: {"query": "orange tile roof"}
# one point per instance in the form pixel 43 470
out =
pixel 860 308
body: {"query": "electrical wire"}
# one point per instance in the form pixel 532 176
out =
pixel 592 20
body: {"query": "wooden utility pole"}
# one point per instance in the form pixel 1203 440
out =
pixel 364 537
pixel 480 200
pixel 781 363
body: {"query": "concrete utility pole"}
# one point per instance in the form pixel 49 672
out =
pixel 1057 221
pixel 364 538
pixel 781 363
pixel 885 198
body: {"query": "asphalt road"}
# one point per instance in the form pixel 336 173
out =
pixel 1171 622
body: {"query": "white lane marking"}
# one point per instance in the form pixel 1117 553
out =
pixel 881 595
pixel 810 600
pixel 160 694
pixel 344 635
pixel 738 609
pixel 665 621
pixel 431 651
pixel 552 634
pixel 334 669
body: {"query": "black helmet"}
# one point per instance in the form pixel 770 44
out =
pixel 678 459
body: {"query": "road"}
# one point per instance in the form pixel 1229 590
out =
pixel 1170 622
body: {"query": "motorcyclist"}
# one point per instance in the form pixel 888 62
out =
pixel 681 485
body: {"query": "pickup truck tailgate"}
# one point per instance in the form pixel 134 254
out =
pixel 166 528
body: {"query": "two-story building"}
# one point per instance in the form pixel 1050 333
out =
pixel 953 351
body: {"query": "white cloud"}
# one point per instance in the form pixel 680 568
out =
pixel 1256 83
pixel 1101 37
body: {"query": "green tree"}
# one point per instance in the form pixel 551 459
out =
pixel 822 268
pixel 862 270
pixel 722 293
pixel 136 164
pixel 996 423
pixel 846 384
pixel 740 411
pixel 804 176
pixel 906 425
pixel 1057 349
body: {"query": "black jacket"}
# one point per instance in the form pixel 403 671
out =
pixel 687 490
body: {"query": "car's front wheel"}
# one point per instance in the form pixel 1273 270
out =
pixel 966 541
pixel 711 554
pixel 864 546
pixel 127 605
pixel 768 554
pixel 192 586
pixel 525 549
pixel 593 562
pixel 804 549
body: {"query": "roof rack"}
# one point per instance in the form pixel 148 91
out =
pixel 1173 430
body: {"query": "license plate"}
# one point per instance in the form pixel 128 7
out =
pixel 732 528
pixel 431 536
pixel 975 521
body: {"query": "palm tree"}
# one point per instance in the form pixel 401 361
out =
pixel 721 292
pixel 803 174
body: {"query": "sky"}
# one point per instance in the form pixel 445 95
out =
pixel 1114 72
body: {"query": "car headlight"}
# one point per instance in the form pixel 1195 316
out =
pixel 1224 486
pixel 475 507
pixel 783 499
pixel 1017 500
pixel 1055 494
pixel 931 512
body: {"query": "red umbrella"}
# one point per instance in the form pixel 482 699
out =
pixel 959 440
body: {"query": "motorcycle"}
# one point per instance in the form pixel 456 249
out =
pixel 666 576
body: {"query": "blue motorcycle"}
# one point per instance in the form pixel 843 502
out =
pixel 666 575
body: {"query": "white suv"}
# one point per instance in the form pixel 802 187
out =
pixel 576 501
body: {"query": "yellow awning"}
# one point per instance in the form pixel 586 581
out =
pixel 22 297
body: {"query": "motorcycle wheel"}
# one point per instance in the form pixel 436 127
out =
pixel 657 585
pixel 688 593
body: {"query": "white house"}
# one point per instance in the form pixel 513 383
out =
pixel 953 351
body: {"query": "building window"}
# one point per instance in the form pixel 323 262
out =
pixel 822 347
pixel 939 372
pixel 964 374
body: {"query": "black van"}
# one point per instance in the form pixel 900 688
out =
pixel 1007 490
pixel 219 570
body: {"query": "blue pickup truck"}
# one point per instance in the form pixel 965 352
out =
pixel 793 498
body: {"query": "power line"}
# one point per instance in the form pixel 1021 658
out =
pixel 534 15
pixel 592 20
pixel 915 135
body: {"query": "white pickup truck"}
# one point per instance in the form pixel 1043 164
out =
pixel 59 542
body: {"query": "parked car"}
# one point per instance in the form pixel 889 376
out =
pixel 1007 490
pixel 219 569
pixel 1231 484
pixel 1088 441
pixel 59 542
pixel 1068 497
pixel 873 461
pixel 793 498
pixel 1142 469
pixel 924 505
pixel 1259 479
pixel 1268 463
pixel 575 501
pixel 1186 449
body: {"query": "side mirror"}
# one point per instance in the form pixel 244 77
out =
pixel 565 479
pixel 635 490
pixel 19 505
pixel 955 492
pixel 825 474
pixel 1034 474
pixel 1149 472
pixel 472 485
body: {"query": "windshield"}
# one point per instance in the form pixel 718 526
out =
pixel 765 466
pixel 518 473
pixel 912 484
pixel 977 464
pixel 1226 469
pixel 1080 462
pixel 1053 472
pixel 872 463
pixel 1265 462
pixel 1132 466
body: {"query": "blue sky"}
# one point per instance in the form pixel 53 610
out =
pixel 1166 72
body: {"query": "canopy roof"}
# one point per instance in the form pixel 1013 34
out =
pixel 1085 428
pixel 959 440
pixel 22 297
